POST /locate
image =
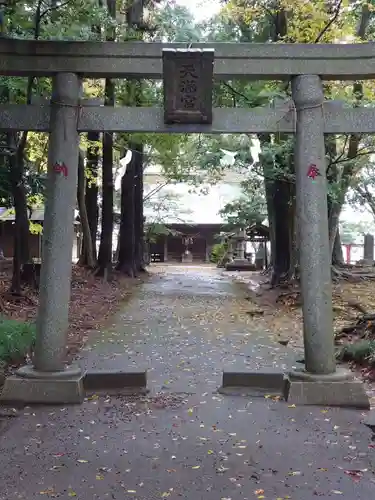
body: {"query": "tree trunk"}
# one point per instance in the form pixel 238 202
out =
pixel 88 257
pixel 138 211
pixel 91 195
pixel 127 253
pixel 91 187
pixel 131 246
pixel 105 249
pixel 283 266
pixel 337 254
pixel 278 192
pixel 21 250
pixel 267 167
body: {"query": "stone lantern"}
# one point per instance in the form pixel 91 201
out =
pixel 239 262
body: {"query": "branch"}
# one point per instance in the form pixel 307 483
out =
pixel 155 190
pixel 351 159
pixel 236 92
pixel 338 158
pixel 50 9
pixel 330 22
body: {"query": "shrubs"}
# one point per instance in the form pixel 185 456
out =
pixel 217 252
pixel 361 352
pixel 16 340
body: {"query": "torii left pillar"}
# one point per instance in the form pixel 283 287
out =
pixel 49 380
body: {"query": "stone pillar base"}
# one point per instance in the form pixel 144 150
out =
pixel 337 389
pixel 240 265
pixel 367 262
pixel 370 420
pixel 252 383
pixel 29 386
pixel 187 257
pixel 116 382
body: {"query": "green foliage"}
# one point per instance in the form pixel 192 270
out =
pixel 360 352
pixel 156 229
pixel 35 228
pixel 16 339
pixel 351 231
pixel 175 23
pixel 218 251
pixel 197 159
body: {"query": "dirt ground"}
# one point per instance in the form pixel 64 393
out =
pixel 92 301
pixel 280 311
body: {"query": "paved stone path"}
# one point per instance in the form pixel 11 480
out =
pixel 185 441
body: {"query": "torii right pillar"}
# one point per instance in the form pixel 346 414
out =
pixel 320 382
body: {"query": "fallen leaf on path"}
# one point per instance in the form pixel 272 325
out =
pixel 48 491
pixel 354 474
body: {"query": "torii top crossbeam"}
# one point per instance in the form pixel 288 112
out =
pixel 144 60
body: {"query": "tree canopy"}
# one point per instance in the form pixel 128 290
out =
pixel 266 161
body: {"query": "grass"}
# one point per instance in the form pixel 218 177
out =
pixel 16 339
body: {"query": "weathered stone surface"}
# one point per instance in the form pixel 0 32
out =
pixel 281 118
pixel 58 227
pixel 52 390
pixel 187 257
pixel 187 84
pixel 311 201
pixel 240 265
pixel 368 250
pixel 143 60
pixel 97 380
pixel 255 383
pixel 346 394
pixel 370 420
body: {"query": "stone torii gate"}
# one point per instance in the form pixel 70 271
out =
pixel 307 115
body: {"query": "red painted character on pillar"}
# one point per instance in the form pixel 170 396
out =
pixel 313 172
pixel 61 168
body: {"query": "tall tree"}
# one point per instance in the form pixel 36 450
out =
pixel 91 188
pixel 130 255
pixel 105 249
pixel 85 226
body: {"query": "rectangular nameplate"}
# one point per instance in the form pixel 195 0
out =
pixel 187 79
